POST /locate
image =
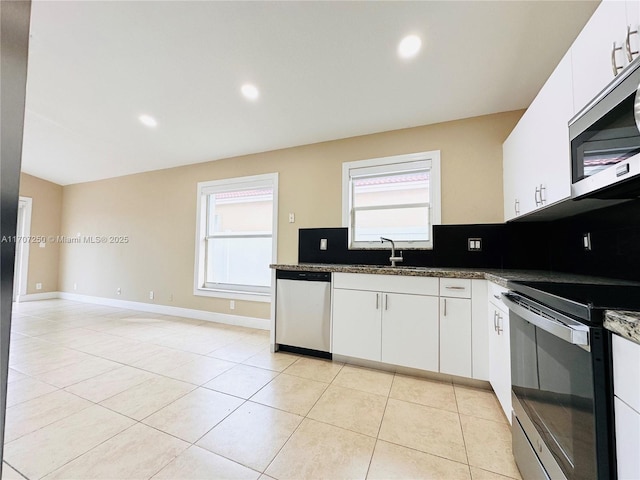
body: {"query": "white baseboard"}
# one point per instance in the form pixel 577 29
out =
pixel 237 320
pixel 32 297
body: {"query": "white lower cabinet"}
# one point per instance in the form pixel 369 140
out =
pixel 403 321
pixel 455 336
pixel 410 331
pixel 627 440
pixel 393 328
pixel 626 387
pixel 499 349
pixel 356 324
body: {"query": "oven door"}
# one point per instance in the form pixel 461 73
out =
pixel 553 388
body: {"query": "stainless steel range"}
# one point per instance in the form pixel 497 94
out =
pixel 561 377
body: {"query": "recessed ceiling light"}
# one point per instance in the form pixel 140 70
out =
pixel 409 46
pixel 249 91
pixel 148 121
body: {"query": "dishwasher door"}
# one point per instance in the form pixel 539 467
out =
pixel 303 310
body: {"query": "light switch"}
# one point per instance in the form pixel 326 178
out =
pixel 474 244
pixel 323 244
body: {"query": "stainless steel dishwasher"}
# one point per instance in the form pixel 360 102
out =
pixel 303 312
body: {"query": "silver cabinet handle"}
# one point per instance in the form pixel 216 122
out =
pixel 630 54
pixel 377 301
pixel 386 301
pixel 614 65
pixel 517 206
pixel 499 328
pixel 543 197
pixel 495 320
pixel 445 307
pixel 455 288
pixel 535 196
pixel 497 297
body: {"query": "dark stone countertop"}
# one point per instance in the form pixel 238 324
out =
pixel 500 277
pixel 626 324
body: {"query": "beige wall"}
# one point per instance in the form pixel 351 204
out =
pixel 46 215
pixel 157 210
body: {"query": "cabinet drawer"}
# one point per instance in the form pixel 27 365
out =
pixel 626 371
pixel 455 287
pixel 386 283
pixel 495 296
pixel 496 290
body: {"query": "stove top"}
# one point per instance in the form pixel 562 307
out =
pixel 585 301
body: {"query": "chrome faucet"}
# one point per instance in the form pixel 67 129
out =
pixel 393 259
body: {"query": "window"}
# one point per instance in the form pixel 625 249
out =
pixel 396 197
pixel 236 237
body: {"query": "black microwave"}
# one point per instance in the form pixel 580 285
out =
pixel 605 141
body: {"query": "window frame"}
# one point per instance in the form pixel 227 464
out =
pixel 390 165
pixel 236 292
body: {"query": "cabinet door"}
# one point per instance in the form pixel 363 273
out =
pixel 552 109
pixel 500 357
pixel 633 22
pixel 536 155
pixel 626 371
pixel 517 169
pixel 455 336
pixel 591 52
pixel 410 331
pixel 357 323
pixel 627 440
pixel 479 332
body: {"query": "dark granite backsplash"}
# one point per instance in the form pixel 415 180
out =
pixel 450 248
pixel 553 246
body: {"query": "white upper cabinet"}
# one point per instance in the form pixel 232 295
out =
pixel 536 156
pixel 592 53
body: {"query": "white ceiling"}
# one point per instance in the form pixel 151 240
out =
pixel 325 70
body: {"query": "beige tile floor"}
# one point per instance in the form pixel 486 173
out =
pixel 101 392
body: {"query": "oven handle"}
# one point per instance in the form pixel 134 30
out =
pixel 562 326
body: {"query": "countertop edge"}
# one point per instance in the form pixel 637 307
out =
pixel 497 276
pixel 625 324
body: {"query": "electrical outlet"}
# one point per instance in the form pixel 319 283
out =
pixel 292 218
pixel 323 244
pixel 586 241
pixel 38 286
pixel 232 304
pixel 118 291
pixel 151 295
pixel 474 244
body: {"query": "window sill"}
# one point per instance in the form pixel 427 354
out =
pixel 233 295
